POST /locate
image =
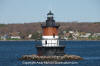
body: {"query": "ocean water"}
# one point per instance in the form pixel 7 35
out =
pixel 11 51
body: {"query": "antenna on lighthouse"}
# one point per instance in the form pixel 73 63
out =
pixel 50 5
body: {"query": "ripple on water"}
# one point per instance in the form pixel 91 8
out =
pixel 91 58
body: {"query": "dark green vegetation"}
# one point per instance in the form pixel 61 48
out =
pixel 2 25
pixel 36 36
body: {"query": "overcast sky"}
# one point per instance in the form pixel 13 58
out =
pixel 24 11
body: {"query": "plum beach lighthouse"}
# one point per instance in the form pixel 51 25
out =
pixel 50 32
pixel 50 49
pixel 50 39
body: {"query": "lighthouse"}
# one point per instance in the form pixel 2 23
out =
pixel 50 48
pixel 50 32
pixel 50 40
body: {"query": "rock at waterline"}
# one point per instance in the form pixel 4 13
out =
pixel 50 58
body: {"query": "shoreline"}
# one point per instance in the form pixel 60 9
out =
pixel 19 40
pixel 40 40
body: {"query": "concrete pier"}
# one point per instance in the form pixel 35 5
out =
pixel 50 58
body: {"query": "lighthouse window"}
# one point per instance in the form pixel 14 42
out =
pixel 54 35
pixel 46 42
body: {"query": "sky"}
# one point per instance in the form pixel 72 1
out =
pixel 27 11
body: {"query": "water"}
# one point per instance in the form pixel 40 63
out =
pixel 10 51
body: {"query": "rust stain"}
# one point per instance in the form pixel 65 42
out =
pixel 50 31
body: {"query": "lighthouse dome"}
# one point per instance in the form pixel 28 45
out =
pixel 50 14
